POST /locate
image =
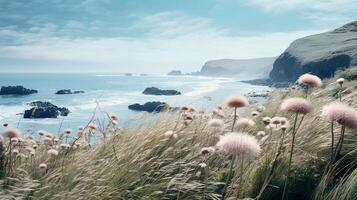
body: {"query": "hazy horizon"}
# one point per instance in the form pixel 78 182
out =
pixel 133 36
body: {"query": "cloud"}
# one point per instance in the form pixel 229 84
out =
pixel 172 40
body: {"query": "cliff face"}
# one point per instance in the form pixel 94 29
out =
pixel 320 54
pixel 254 68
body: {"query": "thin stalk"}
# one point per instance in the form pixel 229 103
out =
pixel 340 93
pixel 332 140
pixel 290 158
pixel 271 172
pixel 228 178
pixel 234 118
pixel 240 178
pixel 340 143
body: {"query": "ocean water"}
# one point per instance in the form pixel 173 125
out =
pixel 105 93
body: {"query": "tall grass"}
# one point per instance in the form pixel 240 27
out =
pixel 139 162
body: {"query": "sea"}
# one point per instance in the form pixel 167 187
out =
pixel 109 93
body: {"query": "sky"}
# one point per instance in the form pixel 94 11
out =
pixel 155 36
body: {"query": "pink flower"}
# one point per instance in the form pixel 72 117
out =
pixel 215 123
pixel 170 135
pixel 296 105
pixel 341 113
pixel 207 150
pixel 310 80
pixel 266 120
pixel 12 132
pixel 275 120
pixel 239 144
pixel 245 123
pixel 237 101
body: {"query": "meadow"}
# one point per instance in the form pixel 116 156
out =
pixel 300 145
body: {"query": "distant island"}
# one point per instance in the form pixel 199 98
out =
pixel 175 73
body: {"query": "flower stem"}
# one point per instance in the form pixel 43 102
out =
pixel 290 158
pixel 228 178
pixel 234 118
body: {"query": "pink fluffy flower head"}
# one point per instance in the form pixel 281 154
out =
pixel 310 80
pixel 296 105
pixel 341 113
pixel 170 135
pixel 245 123
pixel 239 144
pixel 215 123
pixel 10 132
pixel 237 101
pixel 275 120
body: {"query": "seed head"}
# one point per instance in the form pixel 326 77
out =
pixel 296 105
pixel 237 101
pixel 310 80
pixel 341 113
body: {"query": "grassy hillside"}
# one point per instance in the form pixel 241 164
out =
pixel 140 162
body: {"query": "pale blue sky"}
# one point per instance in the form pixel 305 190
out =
pixel 155 36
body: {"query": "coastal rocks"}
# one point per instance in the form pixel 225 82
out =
pixel 157 91
pixel 153 106
pixel 45 110
pixel 16 90
pixel 175 73
pixel 68 91
pixel 320 54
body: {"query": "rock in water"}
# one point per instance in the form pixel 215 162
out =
pixel 16 90
pixel 153 106
pixel 68 91
pixel 175 73
pixel 320 54
pixel 45 110
pixel 157 91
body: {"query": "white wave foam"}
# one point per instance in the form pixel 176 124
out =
pixel 92 104
pixel 208 86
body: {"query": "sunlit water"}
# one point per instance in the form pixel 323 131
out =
pixel 112 94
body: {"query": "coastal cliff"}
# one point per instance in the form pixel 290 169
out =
pixel 320 54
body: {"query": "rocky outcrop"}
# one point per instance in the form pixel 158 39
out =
pixel 45 110
pixel 320 54
pixel 68 91
pixel 175 73
pixel 157 91
pixel 153 106
pixel 254 68
pixel 16 90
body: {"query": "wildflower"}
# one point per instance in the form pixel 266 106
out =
pixel 43 166
pixel 35 146
pixel 65 146
pixel 67 131
pixel 275 120
pixel 239 144
pixel 113 117
pixel 340 81
pixel 215 123
pixel 92 126
pixel 284 121
pixel 296 105
pixel 207 150
pixel 42 132
pixel 283 127
pixel 52 152
pixel 266 120
pixel 202 165
pixel 15 151
pixel 237 101
pixel 245 123
pixel 14 140
pixel 170 135
pixel 255 114
pixel 260 134
pixel 260 108
pixel 310 80
pixel 184 108
pixel 12 132
pixel 219 113
pixel 341 113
